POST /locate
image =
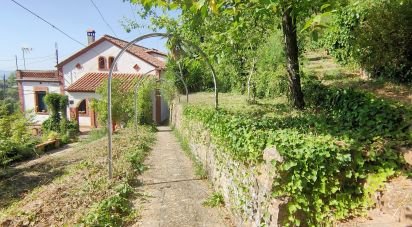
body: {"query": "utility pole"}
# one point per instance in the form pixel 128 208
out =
pixel 17 65
pixel 24 59
pixel 57 53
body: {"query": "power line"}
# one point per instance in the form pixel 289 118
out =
pixel 52 25
pixel 30 63
pixel 101 15
pixel 32 58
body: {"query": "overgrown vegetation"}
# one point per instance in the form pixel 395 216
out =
pixel 363 33
pixel 337 153
pixel 83 194
pixel 144 101
pixel 57 126
pixel 343 146
pixel 116 209
pixel 16 142
pixel 123 101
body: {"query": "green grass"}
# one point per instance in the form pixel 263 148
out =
pixel 324 68
pixel 95 134
pixel 215 200
pixel 237 103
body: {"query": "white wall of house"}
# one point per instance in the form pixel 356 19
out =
pixel 29 97
pixel 89 62
pixel 75 98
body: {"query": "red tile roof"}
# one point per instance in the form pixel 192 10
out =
pixel 136 50
pixel 38 74
pixel 156 51
pixel 91 81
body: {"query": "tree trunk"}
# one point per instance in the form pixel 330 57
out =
pixel 292 58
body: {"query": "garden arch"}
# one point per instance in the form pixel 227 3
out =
pixel 109 82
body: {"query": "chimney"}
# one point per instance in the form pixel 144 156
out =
pixel 91 36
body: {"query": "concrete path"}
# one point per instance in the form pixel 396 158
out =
pixel 173 194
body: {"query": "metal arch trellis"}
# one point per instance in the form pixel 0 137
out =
pixel 109 84
pixel 183 82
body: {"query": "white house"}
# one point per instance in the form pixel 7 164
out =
pixel 79 75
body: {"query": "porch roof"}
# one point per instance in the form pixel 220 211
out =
pixel 91 81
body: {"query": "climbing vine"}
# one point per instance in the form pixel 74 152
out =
pixel 335 155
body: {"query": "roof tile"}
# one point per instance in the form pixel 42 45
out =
pixel 91 81
pixel 38 74
pixel 138 51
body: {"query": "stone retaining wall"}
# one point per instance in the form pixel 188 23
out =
pixel 246 189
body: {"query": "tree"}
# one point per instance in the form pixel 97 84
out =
pixel 292 56
pixel 238 23
pixel 11 87
pixel 10 98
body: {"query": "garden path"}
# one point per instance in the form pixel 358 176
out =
pixel 173 195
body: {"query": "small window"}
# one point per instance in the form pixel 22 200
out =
pixel 136 67
pixel 111 60
pixel 40 104
pixel 82 107
pixel 102 63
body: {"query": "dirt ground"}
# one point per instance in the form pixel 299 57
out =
pixel 393 209
pixel 19 179
pixel 38 192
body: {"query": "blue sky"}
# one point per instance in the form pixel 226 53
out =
pixel 21 29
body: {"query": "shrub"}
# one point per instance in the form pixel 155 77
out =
pixel 270 79
pixel 374 35
pixel 122 102
pixel 109 212
pixel 52 135
pixel 145 102
pixel 57 121
pixel 359 112
pixel 16 142
pixel 52 101
pixel 384 39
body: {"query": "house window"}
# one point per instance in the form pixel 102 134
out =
pixel 102 63
pixel 83 107
pixel 136 67
pixel 40 104
pixel 111 60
